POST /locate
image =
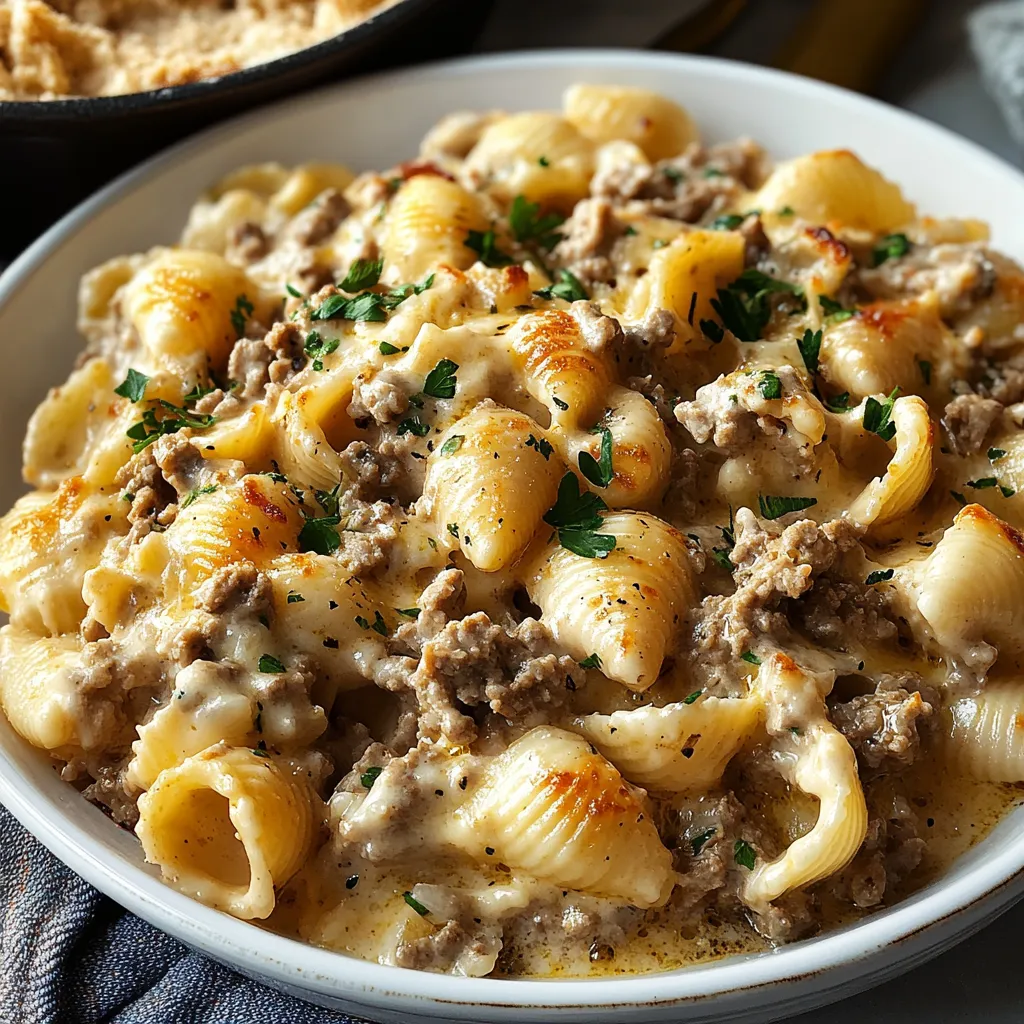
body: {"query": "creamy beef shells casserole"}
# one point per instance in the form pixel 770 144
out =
pixel 575 550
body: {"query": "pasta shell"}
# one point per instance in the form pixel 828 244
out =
pixel 986 734
pixel 603 113
pixel 909 473
pixel 970 589
pixel 558 370
pixel 37 689
pixel 697 263
pixel 254 520
pixel 835 186
pixel 627 607
pixel 819 761
pixel 492 476
pixel 878 349
pixel 300 448
pixel 551 807
pixel 227 826
pixel 507 159
pixel 181 305
pixel 427 225
pixel 678 748
pixel 641 450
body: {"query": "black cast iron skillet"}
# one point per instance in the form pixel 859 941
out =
pixel 54 153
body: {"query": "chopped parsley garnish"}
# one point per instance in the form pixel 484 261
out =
pixel 599 472
pixel 561 405
pixel 773 506
pixel 409 613
pixel 659 243
pixel 352 881
pixel 810 349
pixel 543 446
pixel 317 347
pixel 484 244
pixel 630 230
pixel 878 416
pixel 983 484
pixel 769 385
pixel 441 381
pixel 722 559
pixel 567 287
pixel 1007 492
pixel 744 855
pixel 415 904
pixel 268 663
pixel 133 387
pixel 889 248
pixel 413 425
pixel 787 211
pixel 362 274
pixel 149 428
pixel 577 518
pixel 712 331
pixel 840 403
pixel 379 625
pixel 692 698
pixel 543 161
pixel 398 295
pixel 926 370
pixel 294 597
pixel 362 622
pixel 591 661
pixel 996 453
pixel 744 308
pixel 750 658
pixel 698 842
pixel 193 495
pixel 529 226
pixel 712 172
pixel 727 222
pixel 387 349
pixel 879 576
pixel 242 311
pixel 260 753
pixel 959 497
pixel 320 534
pixel 200 392
pixel 453 444
pixel 834 311
pixel 368 306
pixel 292 291
pixel 721 555
pixel 673 174
pixel 370 776
pixel 453 529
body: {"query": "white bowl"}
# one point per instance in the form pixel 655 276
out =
pixel 374 123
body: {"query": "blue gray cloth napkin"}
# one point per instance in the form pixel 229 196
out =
pixel 69 955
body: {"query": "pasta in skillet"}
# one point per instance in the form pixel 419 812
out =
pixel 555 555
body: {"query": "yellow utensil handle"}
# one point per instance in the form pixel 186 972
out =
pixel 849 42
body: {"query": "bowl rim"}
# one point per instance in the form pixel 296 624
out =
pixel 992 884
pixel 43 112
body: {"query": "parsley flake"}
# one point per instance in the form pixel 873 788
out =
pixel 879 576
pixel 983 484
pixel 370 776
pixel 379 625
pixel 599 473
pixel 769 385
pixel 413 425
pixel 528 225
pixel 453 529
pixel 926 370
pixel 441 381
pixel 543 446
pixel 591 661
pixel 743 306
pixel 294 597
pixel 834 311
pixel 453 444
pixel 727 222
pixel 774 506
pixel 193 495
pixel 149 428
pixel 242 311
pixel 484 244
pixel 133 387
pixel 292 291
pixel 712 331
pixel 840 403
pixel 415 904
pixel 692 698
pixel 889 248
pixel 577 518
pixel 366 307
pixel 409 613
pixel 320 534
pixel 810 349
pixel 268 663
pixel 744 855
pixel 750 658
pixel 996 453
pixel 362 274
pixel 567 287
pixel 387 349
pixel 878 416
pixel 698 842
